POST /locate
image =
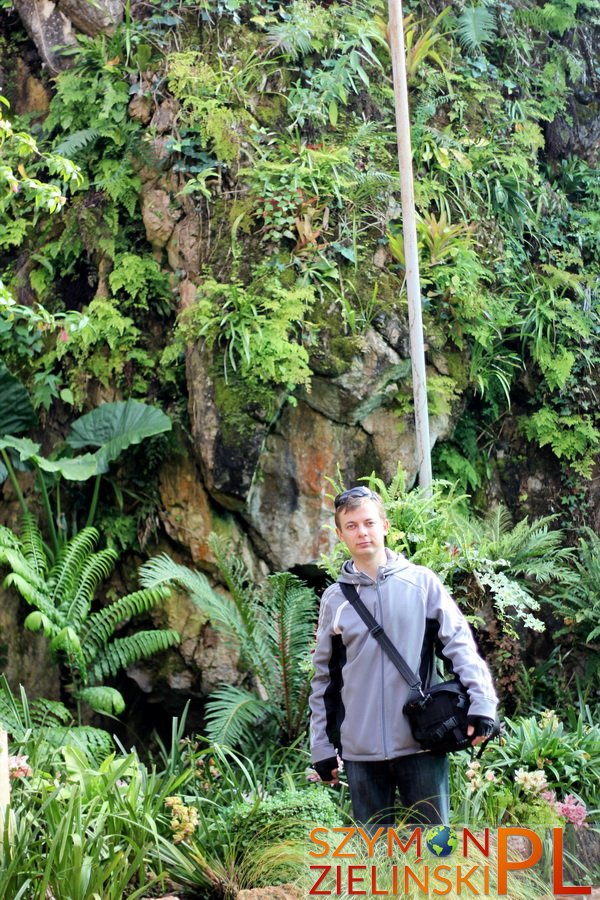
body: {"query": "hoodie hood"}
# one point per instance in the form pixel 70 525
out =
pixel 396 562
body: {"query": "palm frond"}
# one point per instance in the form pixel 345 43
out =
pixel 290 623
pixel 125 651
pixel 231 712
pixel 101 625
pixel 163 570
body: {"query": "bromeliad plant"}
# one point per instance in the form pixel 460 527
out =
pixel 62 592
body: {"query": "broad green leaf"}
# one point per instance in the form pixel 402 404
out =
pixel 26 448
pixel 113 427
pixel 80 468
pixel 16 411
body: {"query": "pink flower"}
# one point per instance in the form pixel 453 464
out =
pixel 19 768
pixel 573 810
pixel 63 335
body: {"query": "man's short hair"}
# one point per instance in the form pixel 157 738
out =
pixel 353 497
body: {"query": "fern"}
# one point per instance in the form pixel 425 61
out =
pixel 231 713
pixel 122 652
pixel 96 569
pixel 70 561
pixel 476 27
pixel 77 141
pixel 102 625
pixel 40 726
pixel 81 640
pixel 33 546
pixel 103 699
pixel 271 625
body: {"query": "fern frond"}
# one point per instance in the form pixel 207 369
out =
pixel 19 715
pixel 97 568
pixel 21 566
pixel 32 544
pixel 123 652
pixel 163 570
pixel 32 595
pixel 77 141
pixel 476 27
pixel 235 616
pixel 67 642
pixel 96 743
pixel 231 712
pixel 292 610
pixel 8 539
pixel 65 573
pixel 102 699
pixel 101 625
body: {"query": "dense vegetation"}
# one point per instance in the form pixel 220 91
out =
pixel 272 128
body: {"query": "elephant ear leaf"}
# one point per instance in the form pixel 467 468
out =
pixel 16 411
pixel 112 427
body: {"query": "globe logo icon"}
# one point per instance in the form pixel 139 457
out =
pixel 441 840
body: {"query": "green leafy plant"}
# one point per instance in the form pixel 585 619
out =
pixel 62 594
pixel 39 728
pixel 271 628
pixel 254 326
pixel 211 844
pixel 111 427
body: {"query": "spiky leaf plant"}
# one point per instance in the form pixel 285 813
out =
pixel 62 595
pixel 41 727
pixel 271 626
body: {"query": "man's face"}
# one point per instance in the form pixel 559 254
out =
pixel 363 531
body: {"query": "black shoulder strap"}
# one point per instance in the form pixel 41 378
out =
pixel 377 631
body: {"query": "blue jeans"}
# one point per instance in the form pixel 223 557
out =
pixel 421 780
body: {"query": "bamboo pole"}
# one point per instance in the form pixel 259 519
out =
pixel 4 774
pixel 411 255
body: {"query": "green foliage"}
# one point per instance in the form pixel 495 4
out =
pixel 577 605
pixel 141 279
pixel 524 778
pixel 271 628
pixel 62 595
pixel 476 27
pixel 257 327
pixel 574 438
pixel 480 559
pixel 287 816
pixel 40 728
pixel 113 427
pixel 80 827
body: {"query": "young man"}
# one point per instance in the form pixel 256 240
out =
pixel 358 694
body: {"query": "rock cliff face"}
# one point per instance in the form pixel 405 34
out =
pixel 264 480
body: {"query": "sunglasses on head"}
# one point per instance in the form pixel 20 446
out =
pixel 360 491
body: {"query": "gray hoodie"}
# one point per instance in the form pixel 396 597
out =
pixel 357 692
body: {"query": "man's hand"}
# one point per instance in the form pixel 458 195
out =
pixel 480 728
pixel 327 770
